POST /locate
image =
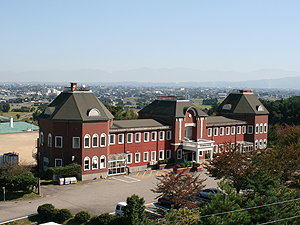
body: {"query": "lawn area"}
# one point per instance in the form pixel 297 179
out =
pixel 17 196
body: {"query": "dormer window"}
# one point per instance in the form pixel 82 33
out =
pixel 260 108
pixel 94 112
pixel 226 107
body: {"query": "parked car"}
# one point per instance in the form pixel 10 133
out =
pixel 206 193
pixel 165 201
pixel 119 208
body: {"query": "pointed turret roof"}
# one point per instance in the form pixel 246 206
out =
pixel 77 104
pixel 241 102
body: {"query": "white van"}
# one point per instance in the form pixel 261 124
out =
pixel 119 208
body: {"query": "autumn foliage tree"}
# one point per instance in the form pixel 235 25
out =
pixel 181 188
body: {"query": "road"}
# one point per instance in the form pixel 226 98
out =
pixel 96 196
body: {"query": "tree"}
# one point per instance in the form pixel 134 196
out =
pixel 134 212
pixel 232 165
pixel 181 188
pixel 226 200
pixel 4 106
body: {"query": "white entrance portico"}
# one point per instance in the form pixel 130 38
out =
pixel 197 148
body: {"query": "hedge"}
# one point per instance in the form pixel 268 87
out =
pixel 71 170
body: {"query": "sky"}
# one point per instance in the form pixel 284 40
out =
pixel 240 36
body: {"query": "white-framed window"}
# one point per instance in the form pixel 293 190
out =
pixel 137 137
pixel 201 153
pixel 76 142
pixel 221 148
pixel 58 142
pixel 146 156
pixel 120 138
pixel 215 148
pixel 209 130
pixel 256 144
pixel 250 129
pixel 41 138
pixel 87 141
pixel 161 154
pixel 216 131
pixel 244 130
pixel 95 163
pixel 161 135
pixel 95 140
pixel 227 130
pixel 129 158
pixel 129 137
pixel 146 136
pixel 153 156
pixel 169 135
pixel 265 143
pixel 137 157
pixel 238 129
pixel 102 162
pixel 179 154
pixel 168 154
pixel 232 146
pixel 103 140
pixel 265 128
pixel 257 128
pixel 260 144
pixel 49 140
pixel 232 130
pixel 153 136
pixel 221 131
pixel 58 162
pixel 261 129
pixel 86 163
pixel 112 139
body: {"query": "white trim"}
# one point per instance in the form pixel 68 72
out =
pixel 139 135
pixel 122 138
pixel 209 132
pixel 89 163
pixel 179 154
pixel 49 142
pixel 112 136
pixel 161 137
pixel 135 158
pixel 97 137
pixel 56 137
pixel 190 125
pixel 129 154
pixel 103 135
pixel 87 136
pixel 102 157
pixel 146 139
pixel 168 152
pixel 163 154
pixel 95 158
pixel 216 131
pixel 56 160
pixel 153 158
pixel 222 129
pixel 145 159
pixel 131 137
pixel 169 135
pixel 153 134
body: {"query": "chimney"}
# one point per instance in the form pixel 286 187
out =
pixel 11 122
pixel 73 86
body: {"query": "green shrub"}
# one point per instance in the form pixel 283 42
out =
pixel 196 164
pixel 71 170
pixel 47 211
pixel 171 160
pixel 104 219
pixel 207 155
pixel 82 216
pixel 177 166
pixel 182 165
pixel 63 214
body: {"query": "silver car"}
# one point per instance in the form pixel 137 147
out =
pixel 206 193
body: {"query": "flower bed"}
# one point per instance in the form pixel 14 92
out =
pixel 187 167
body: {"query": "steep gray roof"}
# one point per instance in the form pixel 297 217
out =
pixel 169 109
pixel 242 103
pixel 139 124
pixel 77 106
pixel 222 120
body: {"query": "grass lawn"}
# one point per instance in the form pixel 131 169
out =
pixel 17 196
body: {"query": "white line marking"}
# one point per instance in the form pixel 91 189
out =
pixel 147 210
pixel 132 178
pixel 136 180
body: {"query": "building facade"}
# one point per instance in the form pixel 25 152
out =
pixel 77 127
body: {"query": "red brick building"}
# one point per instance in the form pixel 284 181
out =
pixel 77 127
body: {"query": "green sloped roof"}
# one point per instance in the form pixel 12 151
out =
pixel 242 103
pixel 18 126
pixel 169 108
pixel 139 123
pixel 75 106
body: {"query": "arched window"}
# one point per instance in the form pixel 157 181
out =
pixel 103 140
pixel 49 140
pixel 102 162
pixel 87 141
pixel 41 138
pixel 95 162
pixel 95 140
pixel 261 128
pixel 86 163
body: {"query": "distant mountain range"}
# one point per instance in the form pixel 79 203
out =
pixel 266 78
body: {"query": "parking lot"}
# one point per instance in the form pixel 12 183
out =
pixel 96 196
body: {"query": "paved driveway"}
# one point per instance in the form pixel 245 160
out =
pixel 96 196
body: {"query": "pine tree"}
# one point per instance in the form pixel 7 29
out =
pixel 134 212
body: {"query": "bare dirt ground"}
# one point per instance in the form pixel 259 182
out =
pixel 22 143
